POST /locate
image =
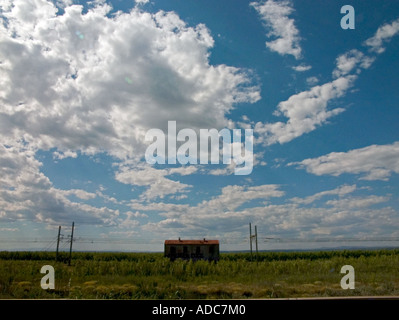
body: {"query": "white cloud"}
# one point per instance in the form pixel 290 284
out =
pixel 340 191
pixel 348 61
pixel 229 212
pixel 159 206
pixel 130 221
pixel 227 170
pixel 312 81
pixel 375 162
pixel 305 111
pixel 308 109
pixel 154 179
pixel 230 198
pixel 9 229
pixel 358 202
pixel 65 154
pixel 184 171
pixel 26 193
pixel 221 212
pixel 85 83
pixel 81 194
pixel 275 15
pixel 103 78
pixel 63 3
pixel 234 196
pixel 383 34
pixel 302 68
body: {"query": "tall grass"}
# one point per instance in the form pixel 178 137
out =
pixel 151 276
pixel 151 257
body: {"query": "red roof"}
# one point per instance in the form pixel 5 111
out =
pixel 203 241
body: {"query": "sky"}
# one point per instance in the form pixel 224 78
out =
pixel 83 82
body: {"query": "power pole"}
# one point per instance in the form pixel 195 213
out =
pixel 70 248
pixel 256 242
pixel 58 243
pixel 251 238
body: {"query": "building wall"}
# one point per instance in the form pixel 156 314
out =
pixel 192 251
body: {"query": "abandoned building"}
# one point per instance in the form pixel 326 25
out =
pixel 192 249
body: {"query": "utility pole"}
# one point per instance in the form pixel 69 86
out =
pixel 58 243
pixel 256 242
pixel 251 237
pixel 70 248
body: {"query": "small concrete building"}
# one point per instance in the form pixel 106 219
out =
pixel 192 249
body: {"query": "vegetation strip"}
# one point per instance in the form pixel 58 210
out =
pixel 102 275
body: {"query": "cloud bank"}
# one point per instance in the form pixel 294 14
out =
pixel 91 82
pixel 375 162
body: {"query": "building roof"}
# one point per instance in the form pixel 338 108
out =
pixel 192 242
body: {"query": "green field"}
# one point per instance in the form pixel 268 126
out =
pixel 235 276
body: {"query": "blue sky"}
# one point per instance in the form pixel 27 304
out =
pixel 82 83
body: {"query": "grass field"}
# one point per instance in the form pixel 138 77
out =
pixel 235 276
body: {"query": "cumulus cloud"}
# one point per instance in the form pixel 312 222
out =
pixel 375 162
pixel 81 194
pixel 26 193
pixel 158 206
pixel 340 191
pixel 89 82
pixel 305 112
pixel 275 15
pixel 347 62
pixel 130 220
pixel 337 213
pixel 221 211
pixel 230 198
pixel 85 82
pixel 312 81
pixel 103 78
pixel 383 34
pixel 234 196
pixel 155 181
pixel 357 202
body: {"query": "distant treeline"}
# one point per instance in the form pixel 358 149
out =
pixel 236 256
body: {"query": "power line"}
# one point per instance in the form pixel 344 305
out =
pixel 65 241
pixel 50 245
pixel 382 239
